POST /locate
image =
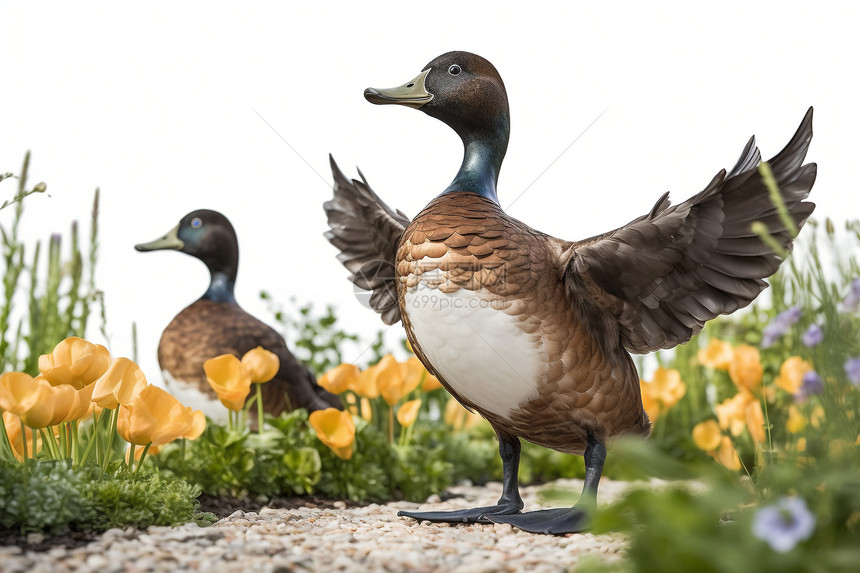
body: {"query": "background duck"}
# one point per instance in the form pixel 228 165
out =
pixel 215 324
pixel 535 332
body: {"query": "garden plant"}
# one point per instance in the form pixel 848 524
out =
pixel 756 423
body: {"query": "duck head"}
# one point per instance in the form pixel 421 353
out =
pixel 466 92
pixel 208 236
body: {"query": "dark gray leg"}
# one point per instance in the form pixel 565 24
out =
pixel 509 503
pixel 565 520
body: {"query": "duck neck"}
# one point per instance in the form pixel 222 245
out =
pixel 221 287
pixel 483 153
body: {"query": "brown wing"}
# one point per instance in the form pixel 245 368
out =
pixel 367 232
pixel 663 275
pixel 190 339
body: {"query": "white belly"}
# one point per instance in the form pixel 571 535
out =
pixel 477 349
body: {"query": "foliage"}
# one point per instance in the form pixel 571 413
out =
pixel 59 303
pixel 55 497
pixel 315 339
pixel 773 397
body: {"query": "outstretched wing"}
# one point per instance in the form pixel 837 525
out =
pixel 663 275
pixel 367 232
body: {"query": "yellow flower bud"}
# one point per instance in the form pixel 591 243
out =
pixel 229 379
pixel 335 429
pixel 261 364
pixel 74 361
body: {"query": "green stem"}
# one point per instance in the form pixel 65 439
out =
pixel 24 440
pixel 131 456
pixel 93 439
pixel 49 443
pixel 96 438
pixel 391 424
pixel 108 453
pixel 63 446
pixel 142 457
pixel 73 434
pixel 259 408
pixel 7 452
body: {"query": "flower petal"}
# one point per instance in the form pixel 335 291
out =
pixel 261 364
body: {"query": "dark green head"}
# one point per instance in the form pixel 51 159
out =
pixel 459 88
pixel 467 93
pixel 208 236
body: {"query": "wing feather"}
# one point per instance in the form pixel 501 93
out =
pixel 663 275
pixel 367 232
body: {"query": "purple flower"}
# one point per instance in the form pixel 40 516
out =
pixel 784 524
pixel 813 336
pixel 811 385
pixel 852 299
pixel 780 325
pixel 852 370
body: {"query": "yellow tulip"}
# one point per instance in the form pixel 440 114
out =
pixel 17 392
pixel 366 385
pixel 340 378
pixel 745 369
pixel 408 412
pixel 155 416
pixel 366 409
pixel 261 364
pixel 396 379
pixel 430 383
pixel 13 431
pixel 197 423
pixel 458 417
pixel 120 384
pixel 135 423
pixel 727 455
pixel 229 379
pixel 717 355
pixel 755 421
pixel 649 404
pixel 64 399
pixel 816 416
pixel 732 412
pixel 31 399
pixel 791 374
pixel 174 420
pixel 667 387
pixel 415 368
pixel 74 361
pixel 707 435
pixel 414 374
pixel 335 429
pixel 796 420
pixel 81 404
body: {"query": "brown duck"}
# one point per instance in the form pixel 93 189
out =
pixel 534 332
pixel 215 324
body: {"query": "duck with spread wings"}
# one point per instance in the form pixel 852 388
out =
pixel 533 332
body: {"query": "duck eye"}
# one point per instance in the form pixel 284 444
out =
pixel 196 222
pixel 454 70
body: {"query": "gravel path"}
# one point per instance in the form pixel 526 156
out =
pixel 367 538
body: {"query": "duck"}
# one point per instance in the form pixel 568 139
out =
pixel 215 324
pixel 533 332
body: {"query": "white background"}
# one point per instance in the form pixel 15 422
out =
pixel 156 103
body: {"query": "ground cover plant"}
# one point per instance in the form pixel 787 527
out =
pixel 756 422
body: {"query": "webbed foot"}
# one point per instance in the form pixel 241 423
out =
pixel 558 521
pixel 472 515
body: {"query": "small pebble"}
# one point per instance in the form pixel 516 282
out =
pixel 368 538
